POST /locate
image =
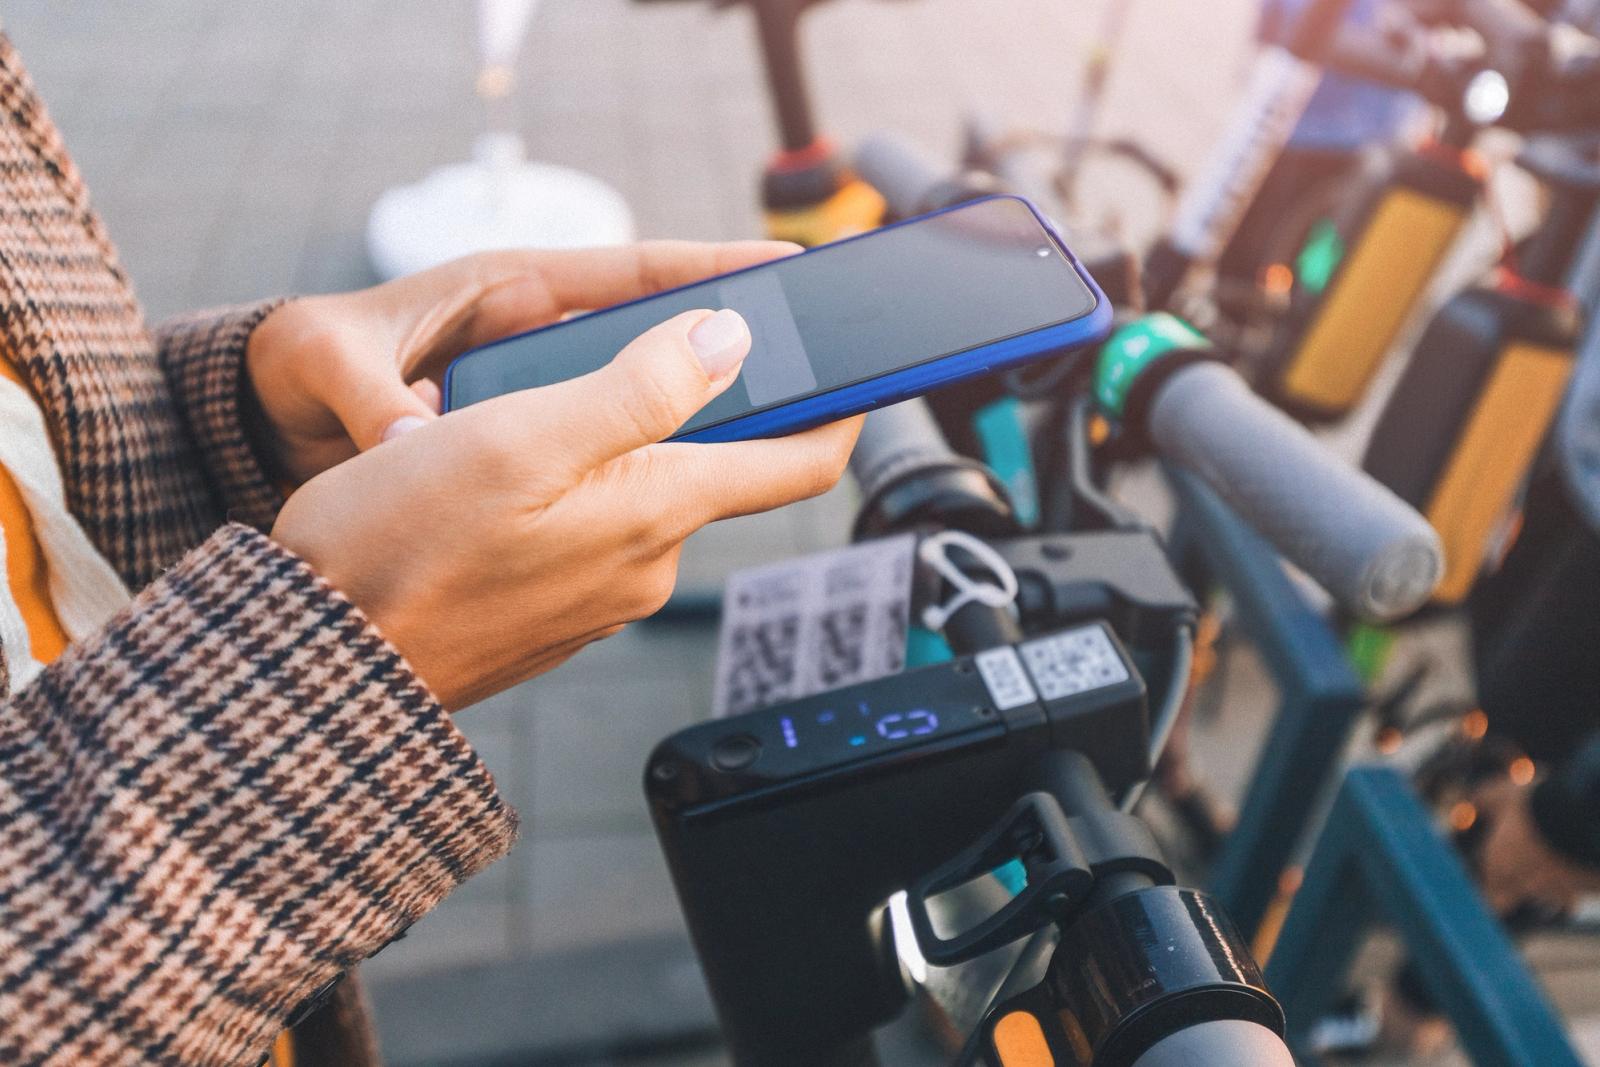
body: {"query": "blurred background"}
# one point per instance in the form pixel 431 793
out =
pixel 236 150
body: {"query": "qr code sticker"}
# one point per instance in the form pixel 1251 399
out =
pixel 762 663
pixel 841 644
pixel 820 622
pixel 1074 662
pixel 896 630
pixel 1004 677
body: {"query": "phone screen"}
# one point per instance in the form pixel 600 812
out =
pixel 837 315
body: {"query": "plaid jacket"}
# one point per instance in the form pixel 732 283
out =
pixel 237 790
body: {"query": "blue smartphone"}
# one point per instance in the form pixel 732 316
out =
pixel 843 328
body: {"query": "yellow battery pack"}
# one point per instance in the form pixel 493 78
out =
pixel 1372 296
pixel 855 208
pixel 1492 457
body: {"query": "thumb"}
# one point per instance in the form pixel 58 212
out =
pixel 430 396
pixel 379 407
pixel 645 395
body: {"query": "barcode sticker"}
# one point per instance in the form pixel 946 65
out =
pixel 806 625
pixel 1073 662
pixel 1003 674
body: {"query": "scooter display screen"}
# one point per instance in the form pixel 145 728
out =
pixel 832 733
pixel 1075 673
pixel 807 736
pixel 864 724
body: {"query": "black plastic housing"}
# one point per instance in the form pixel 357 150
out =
pixel 1123 576
pixel 783 870
pixel 1164 958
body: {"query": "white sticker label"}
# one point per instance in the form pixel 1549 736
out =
pixel 807 625
pixel 1077 661
pixel 1008 683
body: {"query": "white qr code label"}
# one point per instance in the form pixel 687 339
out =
pixel 815 623
pixel 1008 683
pixel 1077 661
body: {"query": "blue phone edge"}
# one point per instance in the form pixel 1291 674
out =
pixel 896 386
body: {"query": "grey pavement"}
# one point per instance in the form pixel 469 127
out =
pixel 235 150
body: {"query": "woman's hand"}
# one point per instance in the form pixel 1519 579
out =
pixel 496 541
pixel 334 375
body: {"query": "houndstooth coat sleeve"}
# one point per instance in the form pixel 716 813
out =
pixel 237 790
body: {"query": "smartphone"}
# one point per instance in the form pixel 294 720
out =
pixel 845 327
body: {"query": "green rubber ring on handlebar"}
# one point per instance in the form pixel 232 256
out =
pixel 1132 349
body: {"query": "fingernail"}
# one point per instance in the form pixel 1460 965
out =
pixel 403 425
pixel 721 341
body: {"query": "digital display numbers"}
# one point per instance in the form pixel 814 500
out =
pixel 862 726
pixel 885 718
pixel 886 724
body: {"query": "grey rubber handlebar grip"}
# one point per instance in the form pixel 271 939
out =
pixel 1219 1043
pixel 899 170
pixel 896 441
pixel 1366 546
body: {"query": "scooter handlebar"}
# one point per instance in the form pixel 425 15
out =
pixel 1366 546
pixel 896 441
pixel 1236 1042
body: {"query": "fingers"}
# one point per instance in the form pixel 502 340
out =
pixel 431 398
pixel 643 396
pixel 486 297
pixel 374 405
pixel 700 484
pixel 429 393
pixel 522 290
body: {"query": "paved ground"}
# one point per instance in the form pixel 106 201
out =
pixel 235 150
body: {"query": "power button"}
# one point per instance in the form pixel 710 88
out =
pixel 735 753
